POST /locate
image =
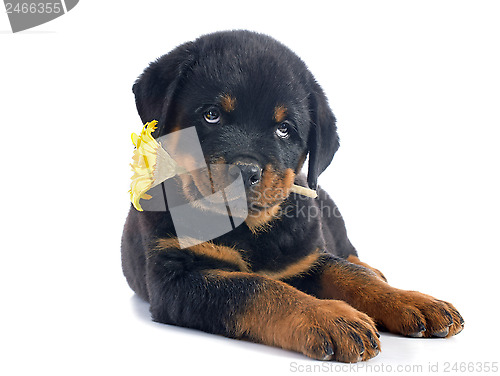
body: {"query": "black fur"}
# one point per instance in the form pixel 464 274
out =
pixel 259 74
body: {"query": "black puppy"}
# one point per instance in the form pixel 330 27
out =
pixel 288 276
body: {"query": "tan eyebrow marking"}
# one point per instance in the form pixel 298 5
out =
pixel 228 103
pixel 279 113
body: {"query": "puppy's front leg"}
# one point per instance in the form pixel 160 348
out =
pixel 410 313
pixel 244 305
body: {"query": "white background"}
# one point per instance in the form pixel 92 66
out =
pixel 416 90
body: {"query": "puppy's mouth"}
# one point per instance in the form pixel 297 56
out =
pixel 216 184
pixel 220 185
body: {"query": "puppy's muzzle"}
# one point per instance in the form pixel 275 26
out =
pixel 250 170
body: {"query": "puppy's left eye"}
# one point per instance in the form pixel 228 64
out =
pixel 212 116
pixel 283 130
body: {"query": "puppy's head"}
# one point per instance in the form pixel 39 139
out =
pixel 255 107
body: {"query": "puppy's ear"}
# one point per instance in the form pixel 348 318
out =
pixel 323 138
pixel 156 87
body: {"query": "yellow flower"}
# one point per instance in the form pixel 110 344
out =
pixel 151 165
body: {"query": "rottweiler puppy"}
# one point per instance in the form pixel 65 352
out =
pixel 288 276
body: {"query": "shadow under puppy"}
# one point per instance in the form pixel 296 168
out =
pixel 288 276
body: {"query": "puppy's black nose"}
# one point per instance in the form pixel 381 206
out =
pixel 250 172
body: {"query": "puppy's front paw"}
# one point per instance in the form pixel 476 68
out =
pixel 414 314
pixel 333 330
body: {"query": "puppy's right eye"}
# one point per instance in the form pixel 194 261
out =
pixel 212 116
